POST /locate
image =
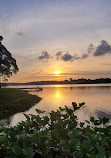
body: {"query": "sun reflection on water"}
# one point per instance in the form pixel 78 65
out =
pixel 57 95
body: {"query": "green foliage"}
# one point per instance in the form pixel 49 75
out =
pixel 58 135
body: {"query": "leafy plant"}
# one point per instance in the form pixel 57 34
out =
pixel 58 135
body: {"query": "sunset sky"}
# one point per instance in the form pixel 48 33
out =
pixel 72 37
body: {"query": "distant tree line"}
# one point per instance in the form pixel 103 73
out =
pixel 78 81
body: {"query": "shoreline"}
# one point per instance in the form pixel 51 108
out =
pixel 13 100
pixel 17 84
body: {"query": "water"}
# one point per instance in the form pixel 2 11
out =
pixel 97 98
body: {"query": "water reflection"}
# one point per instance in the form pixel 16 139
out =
pixel 57 86
pixel 96 97
pixel 103 114
pixel 57 95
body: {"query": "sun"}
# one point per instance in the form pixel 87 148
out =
pixel 57 72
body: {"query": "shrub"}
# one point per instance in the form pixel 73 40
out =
pixel 58 135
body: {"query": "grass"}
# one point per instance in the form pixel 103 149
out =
pixel 14 100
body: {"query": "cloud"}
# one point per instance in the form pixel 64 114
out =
pixel 58 55
pixel 102 49
pixel 61 56
pixel 67 57
pixel 89 73
pixel 75 57
pixel 84 56
pixel 20 33
pixel 45 56
pixel 90 48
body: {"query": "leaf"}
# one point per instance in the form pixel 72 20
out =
pixel 105 120
pixel 87 121
pixel 34 138
pixel 17 149
pixel 102 152
pixel 81 104
pixel 65 116
pixel 28 152
pixel 65 145
pixel 97 122
pixel 77 154
pixel 16 128
pixel 75 143
pixel 74 105
pixel 61 109
pixel 69 111
pixel 82 124
pixel 39 111
pixel 92 119
pixel 46 119
pixel 27 117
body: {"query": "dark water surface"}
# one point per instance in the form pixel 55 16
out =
pixel 97 98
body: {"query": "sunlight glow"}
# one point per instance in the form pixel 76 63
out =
pixel 57 73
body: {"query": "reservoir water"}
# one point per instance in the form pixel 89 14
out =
pixel 97 98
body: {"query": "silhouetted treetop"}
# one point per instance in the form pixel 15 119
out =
pixel 8 64
pixel 1 38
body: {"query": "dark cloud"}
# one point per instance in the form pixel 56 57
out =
pixel 45 56
pixel 58 55
pixel 91 48
pixel 67 57
pixel 20 33
pixel 84 56
pixel 102 49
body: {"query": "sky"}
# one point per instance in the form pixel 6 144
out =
pixel 69 36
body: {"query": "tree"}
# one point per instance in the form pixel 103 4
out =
pixel 8 64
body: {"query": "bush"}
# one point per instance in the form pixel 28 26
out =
pixel 58 135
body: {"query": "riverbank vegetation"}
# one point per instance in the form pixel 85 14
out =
pixel 58 135
pixel 14 100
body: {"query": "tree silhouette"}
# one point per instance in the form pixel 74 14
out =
pixel 8 64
